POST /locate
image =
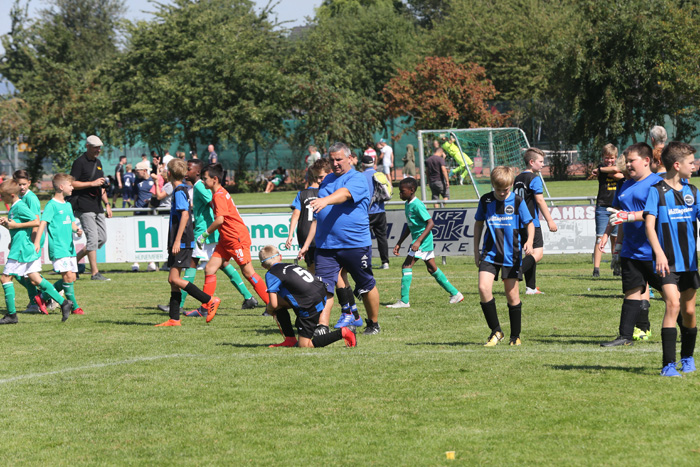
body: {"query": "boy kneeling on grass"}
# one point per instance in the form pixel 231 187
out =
pixel 504 214
pixel 180 246
pixel 291 286
pixel 23 260
pixel 420 225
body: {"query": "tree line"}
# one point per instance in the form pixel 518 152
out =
pixel 581 72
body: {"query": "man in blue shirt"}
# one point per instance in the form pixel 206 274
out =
pixel 377 214
pixel 341 233
pixel 635 251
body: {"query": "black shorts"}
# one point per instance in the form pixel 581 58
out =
pixel 307 326
pixel 636 273
pixel 309 258
pixel 507 272
pixel 181 259
pixel 439 190
pixel 684 280
pixel 537 242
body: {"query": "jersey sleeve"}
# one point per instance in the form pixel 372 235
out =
pixel 273 283
pixel 480 214
pixel 24 214
pixel 296 204
pixel 524 212
pixel 357 186
pixel 652 204
pixel 536 185
pixel 180 201
pixel 421 212
pixel 48 213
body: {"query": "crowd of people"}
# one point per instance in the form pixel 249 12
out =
pixel 646 189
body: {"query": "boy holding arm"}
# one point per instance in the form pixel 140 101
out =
pixel 503 213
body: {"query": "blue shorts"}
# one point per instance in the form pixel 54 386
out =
pixel 356 261
pixel 602 217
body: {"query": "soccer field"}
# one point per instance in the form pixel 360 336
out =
pixel 109 388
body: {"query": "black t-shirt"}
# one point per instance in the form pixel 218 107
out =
pixel 119 170
pixel 307 214
pixel 299 287
pixel 606 189
pixel 87 199
pixel 521 187
pixel 434 164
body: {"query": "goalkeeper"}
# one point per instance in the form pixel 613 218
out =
pixel 452 149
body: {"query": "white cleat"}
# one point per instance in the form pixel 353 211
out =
pixel 399 304
pixel 456 298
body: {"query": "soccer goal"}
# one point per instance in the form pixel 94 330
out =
pixel 486 147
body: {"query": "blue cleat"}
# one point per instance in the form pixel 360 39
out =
pixel 687 364
pixel 358 322
pixel 670 370
pixel 346 319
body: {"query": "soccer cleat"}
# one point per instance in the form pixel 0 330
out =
pixel 670 370
pixel 212 308
pixel 384 266
pixel 152 267
pixel 135 267
pixel 596 273
pixel 535 291
pixel 78 311
pixel 164 308
pixel 249 303
pixel 349 336
pixel 41 304
pixel 346 319
pixel 640 335
pixel 287 342
pixel 399 304
pixel 81 268
pixel 99 277
pixel 265 313
pixel 618 341
pixel 52 304
pixel 617 271
pixel 456 298
pixel 66 308
pixel 9 319
pixel 170 322
pixel 494 339
pixel 515 341
pixel 32 308
pixel 687 364
pixel 371 329
pixel 357 322
pixel 198 313
pixel 651 293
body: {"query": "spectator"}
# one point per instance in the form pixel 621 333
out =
pixel 88 196
pixel 213 157
pixel 128 190
pixel 438 180
pixel 162 192
pixel 377 214
pixel 118 180
pixel 409 162
pixel 386 158
pixel 275 180
pixel 155 161
pixel 143 195
pixel 369 151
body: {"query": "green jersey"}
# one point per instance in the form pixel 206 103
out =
pixel 35 205
pixel 417 218
pixel 59 218
pixel 21 246
pixel 202 212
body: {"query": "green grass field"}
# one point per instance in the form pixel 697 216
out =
pixel 109 388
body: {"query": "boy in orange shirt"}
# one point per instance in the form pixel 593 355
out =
pixel 234 239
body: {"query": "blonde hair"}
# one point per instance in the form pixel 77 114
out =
pixel 177 169
pixel 267 252
pixel 502 176
pixel 9 187
pixel 610 150
pixel 59 179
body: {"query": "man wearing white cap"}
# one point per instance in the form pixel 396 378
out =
pixel 88 196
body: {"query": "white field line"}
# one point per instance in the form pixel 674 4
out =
pixel 93 366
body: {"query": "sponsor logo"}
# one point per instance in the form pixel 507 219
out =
pixel 509 209
pixel 689 200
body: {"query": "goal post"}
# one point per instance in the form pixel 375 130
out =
pixel 486 147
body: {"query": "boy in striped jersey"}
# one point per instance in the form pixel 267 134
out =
pixel 671 215
pixel 503 213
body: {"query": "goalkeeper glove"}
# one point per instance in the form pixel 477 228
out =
pixel 201 239
pixel 618 217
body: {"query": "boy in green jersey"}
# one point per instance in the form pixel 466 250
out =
pixel 27 196
pixel 58 220
pixel 23 260
pixel 420 225
pixel 202 217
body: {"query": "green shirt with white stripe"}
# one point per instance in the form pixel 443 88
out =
pixel 417 217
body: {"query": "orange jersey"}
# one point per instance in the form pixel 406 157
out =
pixel 233 229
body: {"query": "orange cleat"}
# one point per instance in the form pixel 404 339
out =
pixel 78 311
pixel 212 307
pixel 288 342
pixel 170 322
pixel 349 336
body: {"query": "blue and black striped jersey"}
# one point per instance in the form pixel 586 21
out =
pixel 502 219
pixel 305 292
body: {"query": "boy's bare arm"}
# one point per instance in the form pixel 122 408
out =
pixel 39 232
pixel 428 228
pixel 292 227
pixel 309 239
pixel 539 199
pixel 185 216
pixel 404 234
pixel 478 230
pixel 660 257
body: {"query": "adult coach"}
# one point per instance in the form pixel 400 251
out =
pixel 341 232
pixel 88 195
pixel 635 251
pixel 438 179
pixel 377 213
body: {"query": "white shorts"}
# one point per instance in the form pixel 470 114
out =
pixel 21 269
pixel 67 264
pixel 204 254
pixel 424 255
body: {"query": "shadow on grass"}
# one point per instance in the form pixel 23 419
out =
pixel 593 340
pixel 244 346
pixel 595 295
pixel 637 369
pixel 446 344
pixel 266 331
pixel 126 323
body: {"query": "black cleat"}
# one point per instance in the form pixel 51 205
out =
pixel 371 329
pixel 619 340
pixel 164 308
pixel 9 319
pixel 249 303
pixel 66 308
